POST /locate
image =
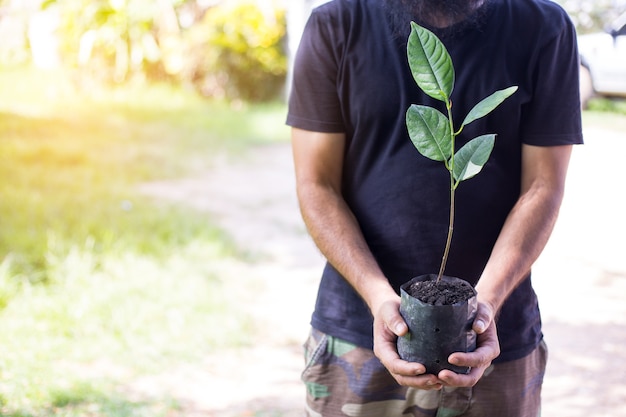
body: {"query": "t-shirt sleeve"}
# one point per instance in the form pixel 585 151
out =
pixel 314 102
pixel 553 117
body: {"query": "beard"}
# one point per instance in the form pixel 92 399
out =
pixel 446 17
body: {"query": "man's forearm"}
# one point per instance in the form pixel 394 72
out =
pixel 527 228
pixel 337 234
pixel 521 241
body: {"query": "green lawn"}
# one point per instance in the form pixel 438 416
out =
pixel 99 285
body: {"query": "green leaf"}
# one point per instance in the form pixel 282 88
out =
pixel 430 132
pixel 430 63
pixel 471 158
pixel 488 104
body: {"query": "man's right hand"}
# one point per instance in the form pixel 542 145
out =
pixel 388 326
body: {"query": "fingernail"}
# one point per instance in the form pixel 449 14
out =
pixel 480 326
pixel 399 328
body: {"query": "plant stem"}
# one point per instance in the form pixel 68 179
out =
pixel 446 252
pixel 450 167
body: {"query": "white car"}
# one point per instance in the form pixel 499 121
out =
pixel 603 61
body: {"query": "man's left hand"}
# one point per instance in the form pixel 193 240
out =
pixel 488 348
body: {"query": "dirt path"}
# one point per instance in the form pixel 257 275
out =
pixel 585 326
pixel 253 199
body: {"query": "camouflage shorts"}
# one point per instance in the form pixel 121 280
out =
pixel 345 380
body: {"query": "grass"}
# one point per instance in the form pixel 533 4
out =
pixel 604 113
pixel 608 105
pixel 72 163
pixel 100 285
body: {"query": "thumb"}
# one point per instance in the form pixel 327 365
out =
pixel 484 317
pixel 390 314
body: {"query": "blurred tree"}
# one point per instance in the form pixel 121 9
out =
pixel 238 50
pixel 592 16
pixel 14 25
pixel 229 48
pixel 115 39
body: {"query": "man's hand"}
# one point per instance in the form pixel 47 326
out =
pixel 487 349
pixel 389 325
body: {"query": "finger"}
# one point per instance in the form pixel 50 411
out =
pixel 385 349
pixel 401 368
pixel 453 379
pixel 480 357
pixel 488 349
pixel 425 382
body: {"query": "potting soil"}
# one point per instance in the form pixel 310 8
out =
pixel 441 293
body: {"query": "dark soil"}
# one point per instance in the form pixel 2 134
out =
pixel 441 293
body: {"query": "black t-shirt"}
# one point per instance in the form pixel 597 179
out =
pixel 351 76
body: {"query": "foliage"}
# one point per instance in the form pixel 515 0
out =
pixel 432 132
pixel 244 60
pixel 593 16
pixel 114 38
pixel 230 50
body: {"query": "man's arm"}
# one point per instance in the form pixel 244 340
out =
pixel 318 159
pixel 522 239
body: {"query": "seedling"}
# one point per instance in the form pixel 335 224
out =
pixel 432 132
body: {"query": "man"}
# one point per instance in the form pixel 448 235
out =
pixel 378 210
